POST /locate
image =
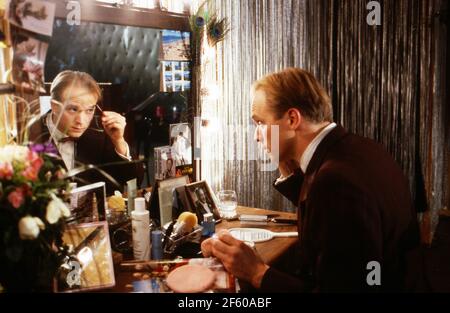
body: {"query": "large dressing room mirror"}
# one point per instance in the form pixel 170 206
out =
pixel 122 49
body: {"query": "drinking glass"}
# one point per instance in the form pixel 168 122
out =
pixel 227 203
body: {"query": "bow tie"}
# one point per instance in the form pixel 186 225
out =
pixel 67 139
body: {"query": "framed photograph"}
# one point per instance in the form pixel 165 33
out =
pixel 28 61
pixel 178 77
pixel 32 15
pixel 168 197
pixel 178 86
pixel 180 141
pixel 87 204
pixel 92 267
pixel 164 163
pixel 178 66
pixel 201 199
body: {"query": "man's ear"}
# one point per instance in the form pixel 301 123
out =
pixel 56 108
pixel 295 118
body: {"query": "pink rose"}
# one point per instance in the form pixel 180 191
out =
pixel 6 170
pixel 16 198
pixel 33 166
pixel 35 160
pixel 30 173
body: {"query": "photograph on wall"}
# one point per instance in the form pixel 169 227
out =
pixel 28 61
pixel 164 163
pixel 180 141
pixel 32 15
pixel 175 76
pixel 175 45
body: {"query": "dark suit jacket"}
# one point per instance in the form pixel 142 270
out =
pixel 354 207
pixel 92 148
pixel 200 210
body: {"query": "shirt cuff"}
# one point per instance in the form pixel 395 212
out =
pixel 127 155
pixel 282 179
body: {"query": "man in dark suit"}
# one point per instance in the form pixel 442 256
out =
pixel 70 126
pixel 202 205
pixel 356 220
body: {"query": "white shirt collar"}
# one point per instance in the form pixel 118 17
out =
pixel 55 133
pixel 311 148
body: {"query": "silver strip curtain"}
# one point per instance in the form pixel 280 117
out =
pixel 265 36
pixel 387 83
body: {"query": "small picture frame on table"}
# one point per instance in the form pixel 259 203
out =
pixel 202 200
pixel 87 204
pixel 168 197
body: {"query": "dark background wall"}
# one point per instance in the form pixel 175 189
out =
pixel 389 82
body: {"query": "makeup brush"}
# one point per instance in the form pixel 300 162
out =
pixel 185 224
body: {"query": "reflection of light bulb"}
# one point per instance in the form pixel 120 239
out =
pixel 213 92
pixel 85 256
pixel 210 52
pixel 211 125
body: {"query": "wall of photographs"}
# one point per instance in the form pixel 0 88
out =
pixel 177 76
pixel 175 69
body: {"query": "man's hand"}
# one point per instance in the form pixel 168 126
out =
pixel 288 167
pixel 238 258
pixel 114 125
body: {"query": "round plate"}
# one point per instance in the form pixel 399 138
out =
pixel 191 279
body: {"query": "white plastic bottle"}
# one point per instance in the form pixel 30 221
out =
pixel 140 221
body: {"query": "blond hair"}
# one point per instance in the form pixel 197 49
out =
pixel 72 78
pixel 296 88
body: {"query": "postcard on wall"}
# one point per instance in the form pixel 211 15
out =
pixel 32 15
pixel 164 163
pixel 181 142
pixel 175 45
pixel 28 61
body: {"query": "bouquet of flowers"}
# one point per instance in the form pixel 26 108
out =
pixel 32 216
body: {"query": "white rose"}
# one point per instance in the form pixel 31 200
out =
pixel 29 227
pixel 56 208
pixel 12 152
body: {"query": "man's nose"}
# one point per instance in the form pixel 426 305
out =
pixel 81 118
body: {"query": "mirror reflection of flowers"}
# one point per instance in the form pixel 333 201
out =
pixel 32 216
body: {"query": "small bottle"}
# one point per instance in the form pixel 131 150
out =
pixel 208 224
pixel 140 221
pixel 157 252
